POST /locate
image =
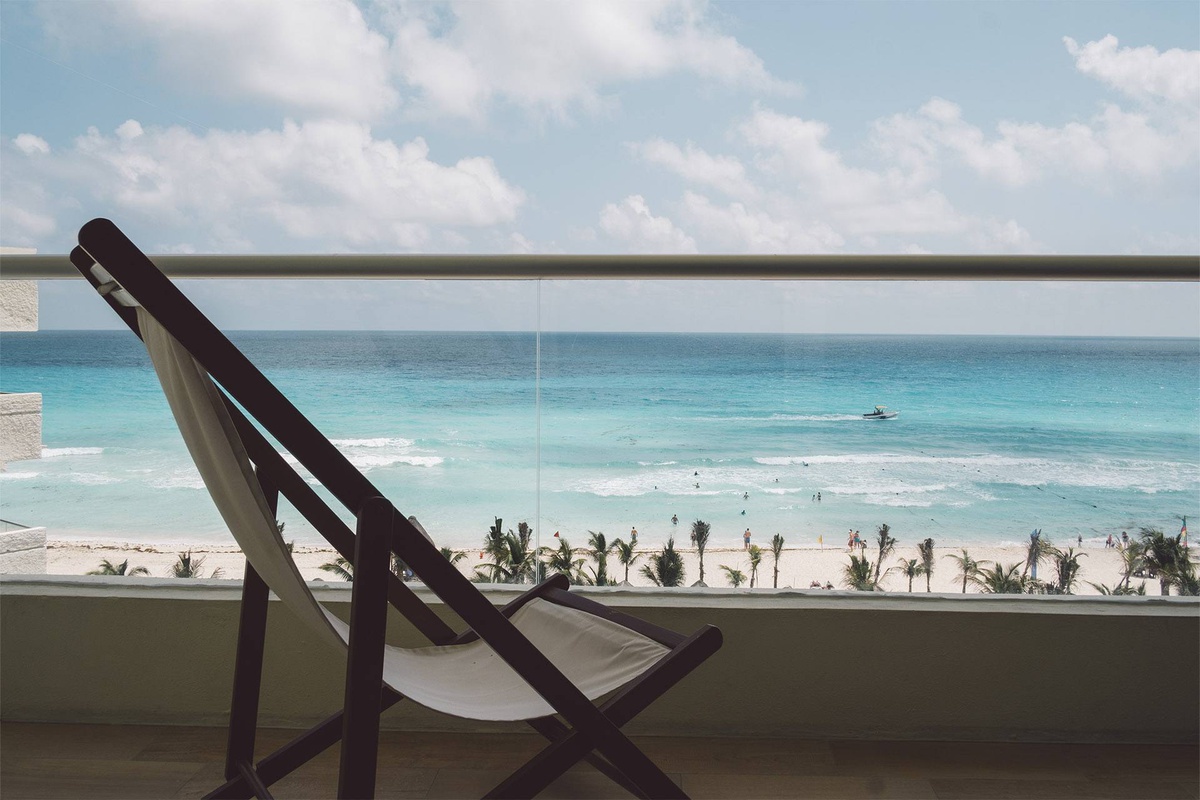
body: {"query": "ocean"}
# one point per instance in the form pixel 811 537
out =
pixel 1080 437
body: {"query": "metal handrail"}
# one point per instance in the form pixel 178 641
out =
pixel 1184 268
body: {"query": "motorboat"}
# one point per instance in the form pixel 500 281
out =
pixel 881 412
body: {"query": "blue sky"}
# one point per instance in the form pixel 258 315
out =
pixel 667 126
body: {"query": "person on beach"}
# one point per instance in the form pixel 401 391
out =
pixel 850 540
pixel 1124 539
pixel 674 519
pixel 1081 540
pixel 632 534
pixel 818 497
pixel 746 538
pixel 1108 542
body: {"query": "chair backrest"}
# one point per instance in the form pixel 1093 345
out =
pixel 220 457
pixel 189 354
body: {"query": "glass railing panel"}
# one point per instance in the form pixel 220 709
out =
pixel 1086 439
pixel 442 422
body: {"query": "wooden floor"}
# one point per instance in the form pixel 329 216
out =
pixel 101 761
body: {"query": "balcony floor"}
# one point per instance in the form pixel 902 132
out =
pixel 124 761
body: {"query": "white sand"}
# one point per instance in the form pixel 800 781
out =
pixel 798 567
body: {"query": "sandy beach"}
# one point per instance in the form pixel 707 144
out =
pixel 798 567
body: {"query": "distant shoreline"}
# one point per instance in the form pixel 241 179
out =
pixel 798 566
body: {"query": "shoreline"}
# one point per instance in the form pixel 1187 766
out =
pixel 798 566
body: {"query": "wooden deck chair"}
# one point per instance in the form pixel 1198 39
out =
pixel 547 653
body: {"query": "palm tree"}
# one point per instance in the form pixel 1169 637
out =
pixel 1132 560
pixel 857 575
pixel 756 556
pixel 562 559
pixel 1039 548
pixel 600 549
pixel 925 548
pixel 736 576
pixel 665 568
pixel 1066 568
pixel 1167 558
pixel 189 567
pixel 452 556
pixel 626 553
pixel 967 567
pixel 1001 579
pixel 700 531
pixel 886 546
pixel 1118 589
pixel 107 568
pixel 342 569
pixel 513 559
pixel 776 552
pixel 910 568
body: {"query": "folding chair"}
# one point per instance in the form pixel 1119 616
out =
pixel 547 652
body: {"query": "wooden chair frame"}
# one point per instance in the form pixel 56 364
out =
pixel 589 732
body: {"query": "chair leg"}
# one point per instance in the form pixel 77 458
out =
pixel 562 754
pixel 247 673
pixel 364 663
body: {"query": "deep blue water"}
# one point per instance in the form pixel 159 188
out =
pixel 996 436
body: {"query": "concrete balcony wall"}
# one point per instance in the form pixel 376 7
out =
pixel 829 665
pixel 23 551
pixel 20 426
pixel 18 305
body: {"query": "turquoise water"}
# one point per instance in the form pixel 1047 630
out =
pixel 996 436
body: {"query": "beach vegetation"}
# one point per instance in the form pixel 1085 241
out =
pixel 1039 549
pixel 452 556
pixel 776 554
pixel 887 545
pixel 859 576
pixel 1166 558
pixel 968 568
pixel 562 560
pixel 1132 561
pixel 627 553
pixel 736 576
pixel 999 579
pixel 189 566
pixel 1066 569
pixel 510 556
pixel 341 568
pixel 700 532
pixel 756 556
pixel 1119 589
pixel 910 568
pixel 665 568
pixel 925 549
pixel 600 550
pixel 108 568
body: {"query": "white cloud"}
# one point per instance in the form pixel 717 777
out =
pixel 29 144
pixel 327 181
pixel 316 57
pixel 738 228
pixel 632 224
pixel 803 196
pixel 1147 145
pixel 1140 72
pixel 693 164
pixel 550 56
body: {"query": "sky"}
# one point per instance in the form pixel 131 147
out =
pixel 660 126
